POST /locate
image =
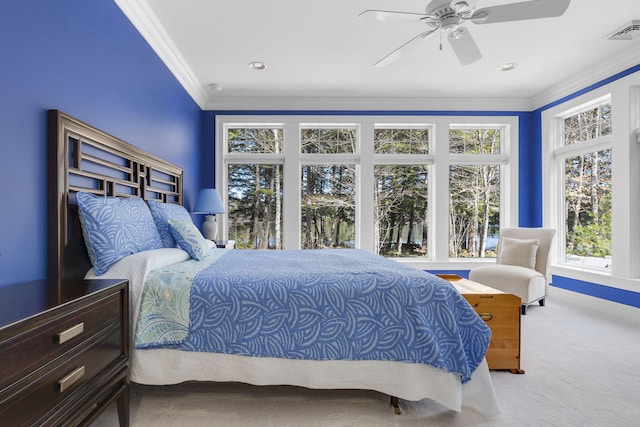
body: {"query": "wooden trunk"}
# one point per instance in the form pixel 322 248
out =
pixel 501 311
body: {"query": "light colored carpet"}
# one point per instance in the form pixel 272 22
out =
pixel 581 370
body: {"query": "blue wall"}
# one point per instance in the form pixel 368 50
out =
pixel 86 59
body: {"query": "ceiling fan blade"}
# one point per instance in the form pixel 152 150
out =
pixel 388 15
pixel 534 9
pixel 464 46
pixel 402 49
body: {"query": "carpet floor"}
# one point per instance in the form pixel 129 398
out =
pixel 582 369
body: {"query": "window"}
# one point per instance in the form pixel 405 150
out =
pixel 474 191
pixel 401 175
pixel 327 186
pixel 328 140
pixel 258 140
pixel 254 187
pixel 402 194
pixel 426 188
pixel 328 206
pixel 584 160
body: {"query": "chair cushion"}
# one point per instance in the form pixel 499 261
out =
pixel 526 283
pixel 518 252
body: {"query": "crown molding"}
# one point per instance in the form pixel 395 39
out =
pixel 148 25
pixel 591 75
pixel 299 103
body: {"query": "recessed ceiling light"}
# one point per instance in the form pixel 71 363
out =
pixel 257 65
pixel 508 66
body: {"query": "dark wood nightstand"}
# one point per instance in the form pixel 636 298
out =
pixel 65 357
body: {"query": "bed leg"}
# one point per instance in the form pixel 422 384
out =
pixel 396 406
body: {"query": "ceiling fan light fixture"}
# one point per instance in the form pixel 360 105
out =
pixel 456 34
pixel 507 66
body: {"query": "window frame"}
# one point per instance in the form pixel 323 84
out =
pixel 558 152
pixel 365 159
pixel 501 160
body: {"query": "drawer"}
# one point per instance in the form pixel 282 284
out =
pixel 56 334
pixel 81 413
pixel 67 378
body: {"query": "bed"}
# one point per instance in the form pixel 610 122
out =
pixel 406 333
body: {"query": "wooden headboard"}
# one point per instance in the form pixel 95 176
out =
pixel 83 158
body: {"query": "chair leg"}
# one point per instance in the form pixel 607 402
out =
pixel 541 302
pixel 523 309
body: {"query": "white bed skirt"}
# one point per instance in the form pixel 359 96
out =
pixel 409 381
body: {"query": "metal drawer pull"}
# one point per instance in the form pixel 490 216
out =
pixel 70 379
pixel 73 331
pixel 486 316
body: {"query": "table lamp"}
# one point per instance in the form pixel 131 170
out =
pixel 210 204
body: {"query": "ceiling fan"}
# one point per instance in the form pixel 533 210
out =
pixel 449 16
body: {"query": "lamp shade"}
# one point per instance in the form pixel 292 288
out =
pixel 209 202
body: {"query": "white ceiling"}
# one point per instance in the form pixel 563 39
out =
pixel 320 50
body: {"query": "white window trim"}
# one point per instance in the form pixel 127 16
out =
pixel 365 158
pixel 625 106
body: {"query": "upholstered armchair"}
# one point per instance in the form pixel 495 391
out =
pixel 522 265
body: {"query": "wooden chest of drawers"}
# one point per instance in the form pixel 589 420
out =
pixel 64 357
pixel 501 311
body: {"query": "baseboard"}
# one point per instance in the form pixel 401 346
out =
pixel 599 305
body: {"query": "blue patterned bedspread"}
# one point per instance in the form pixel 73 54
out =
pixel 346 304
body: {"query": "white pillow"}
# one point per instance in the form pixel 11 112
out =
pixel 518 252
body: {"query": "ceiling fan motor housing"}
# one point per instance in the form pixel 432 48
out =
pixel 450 23
pixel 444 14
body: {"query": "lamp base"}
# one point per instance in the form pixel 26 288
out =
pixel 210 228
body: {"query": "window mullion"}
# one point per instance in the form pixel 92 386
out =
pixel 403 159
pixel 439 196
pixel 596 144
pixel 247 159
pixel 478 159
pixel 365 191
pixel 291 187
pixel 328 159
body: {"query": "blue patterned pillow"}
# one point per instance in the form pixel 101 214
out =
pixel 114 228
pixel 162 213
pixel 189 238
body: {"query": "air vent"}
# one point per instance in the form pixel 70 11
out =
pixel 628 31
